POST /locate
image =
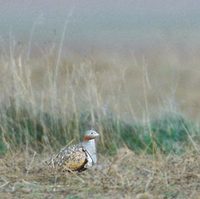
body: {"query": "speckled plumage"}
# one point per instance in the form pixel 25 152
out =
pixel 71 158
pixel 77 157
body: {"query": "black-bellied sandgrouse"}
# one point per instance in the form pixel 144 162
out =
pixel 77 157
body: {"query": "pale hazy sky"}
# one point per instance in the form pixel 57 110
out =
pixel 95 20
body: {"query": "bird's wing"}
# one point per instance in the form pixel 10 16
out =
pixel 70 158
pixel 76 161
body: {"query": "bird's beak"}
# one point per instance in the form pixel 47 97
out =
pixel 97 135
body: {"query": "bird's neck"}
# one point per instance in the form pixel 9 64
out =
pixel 86 138
pixel 90 147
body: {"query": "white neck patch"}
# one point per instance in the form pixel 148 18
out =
pixel 90 147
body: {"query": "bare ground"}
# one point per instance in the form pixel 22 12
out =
pixel 126 175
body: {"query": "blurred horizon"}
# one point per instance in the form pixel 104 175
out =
pixel 107 25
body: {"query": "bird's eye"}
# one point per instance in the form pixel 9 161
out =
pixel 91 132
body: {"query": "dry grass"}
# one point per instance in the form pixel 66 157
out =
pixel 133 88
pixel 125 175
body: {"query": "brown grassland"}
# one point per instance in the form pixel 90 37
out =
pixel 135 87
pixel 125 175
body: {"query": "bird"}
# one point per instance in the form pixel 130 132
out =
pixel 77 157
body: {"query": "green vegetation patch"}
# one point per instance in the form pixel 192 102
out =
pixel 22 127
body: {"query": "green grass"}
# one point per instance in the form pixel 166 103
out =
pixel 23 127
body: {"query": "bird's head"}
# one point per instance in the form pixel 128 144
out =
pixel 89 135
